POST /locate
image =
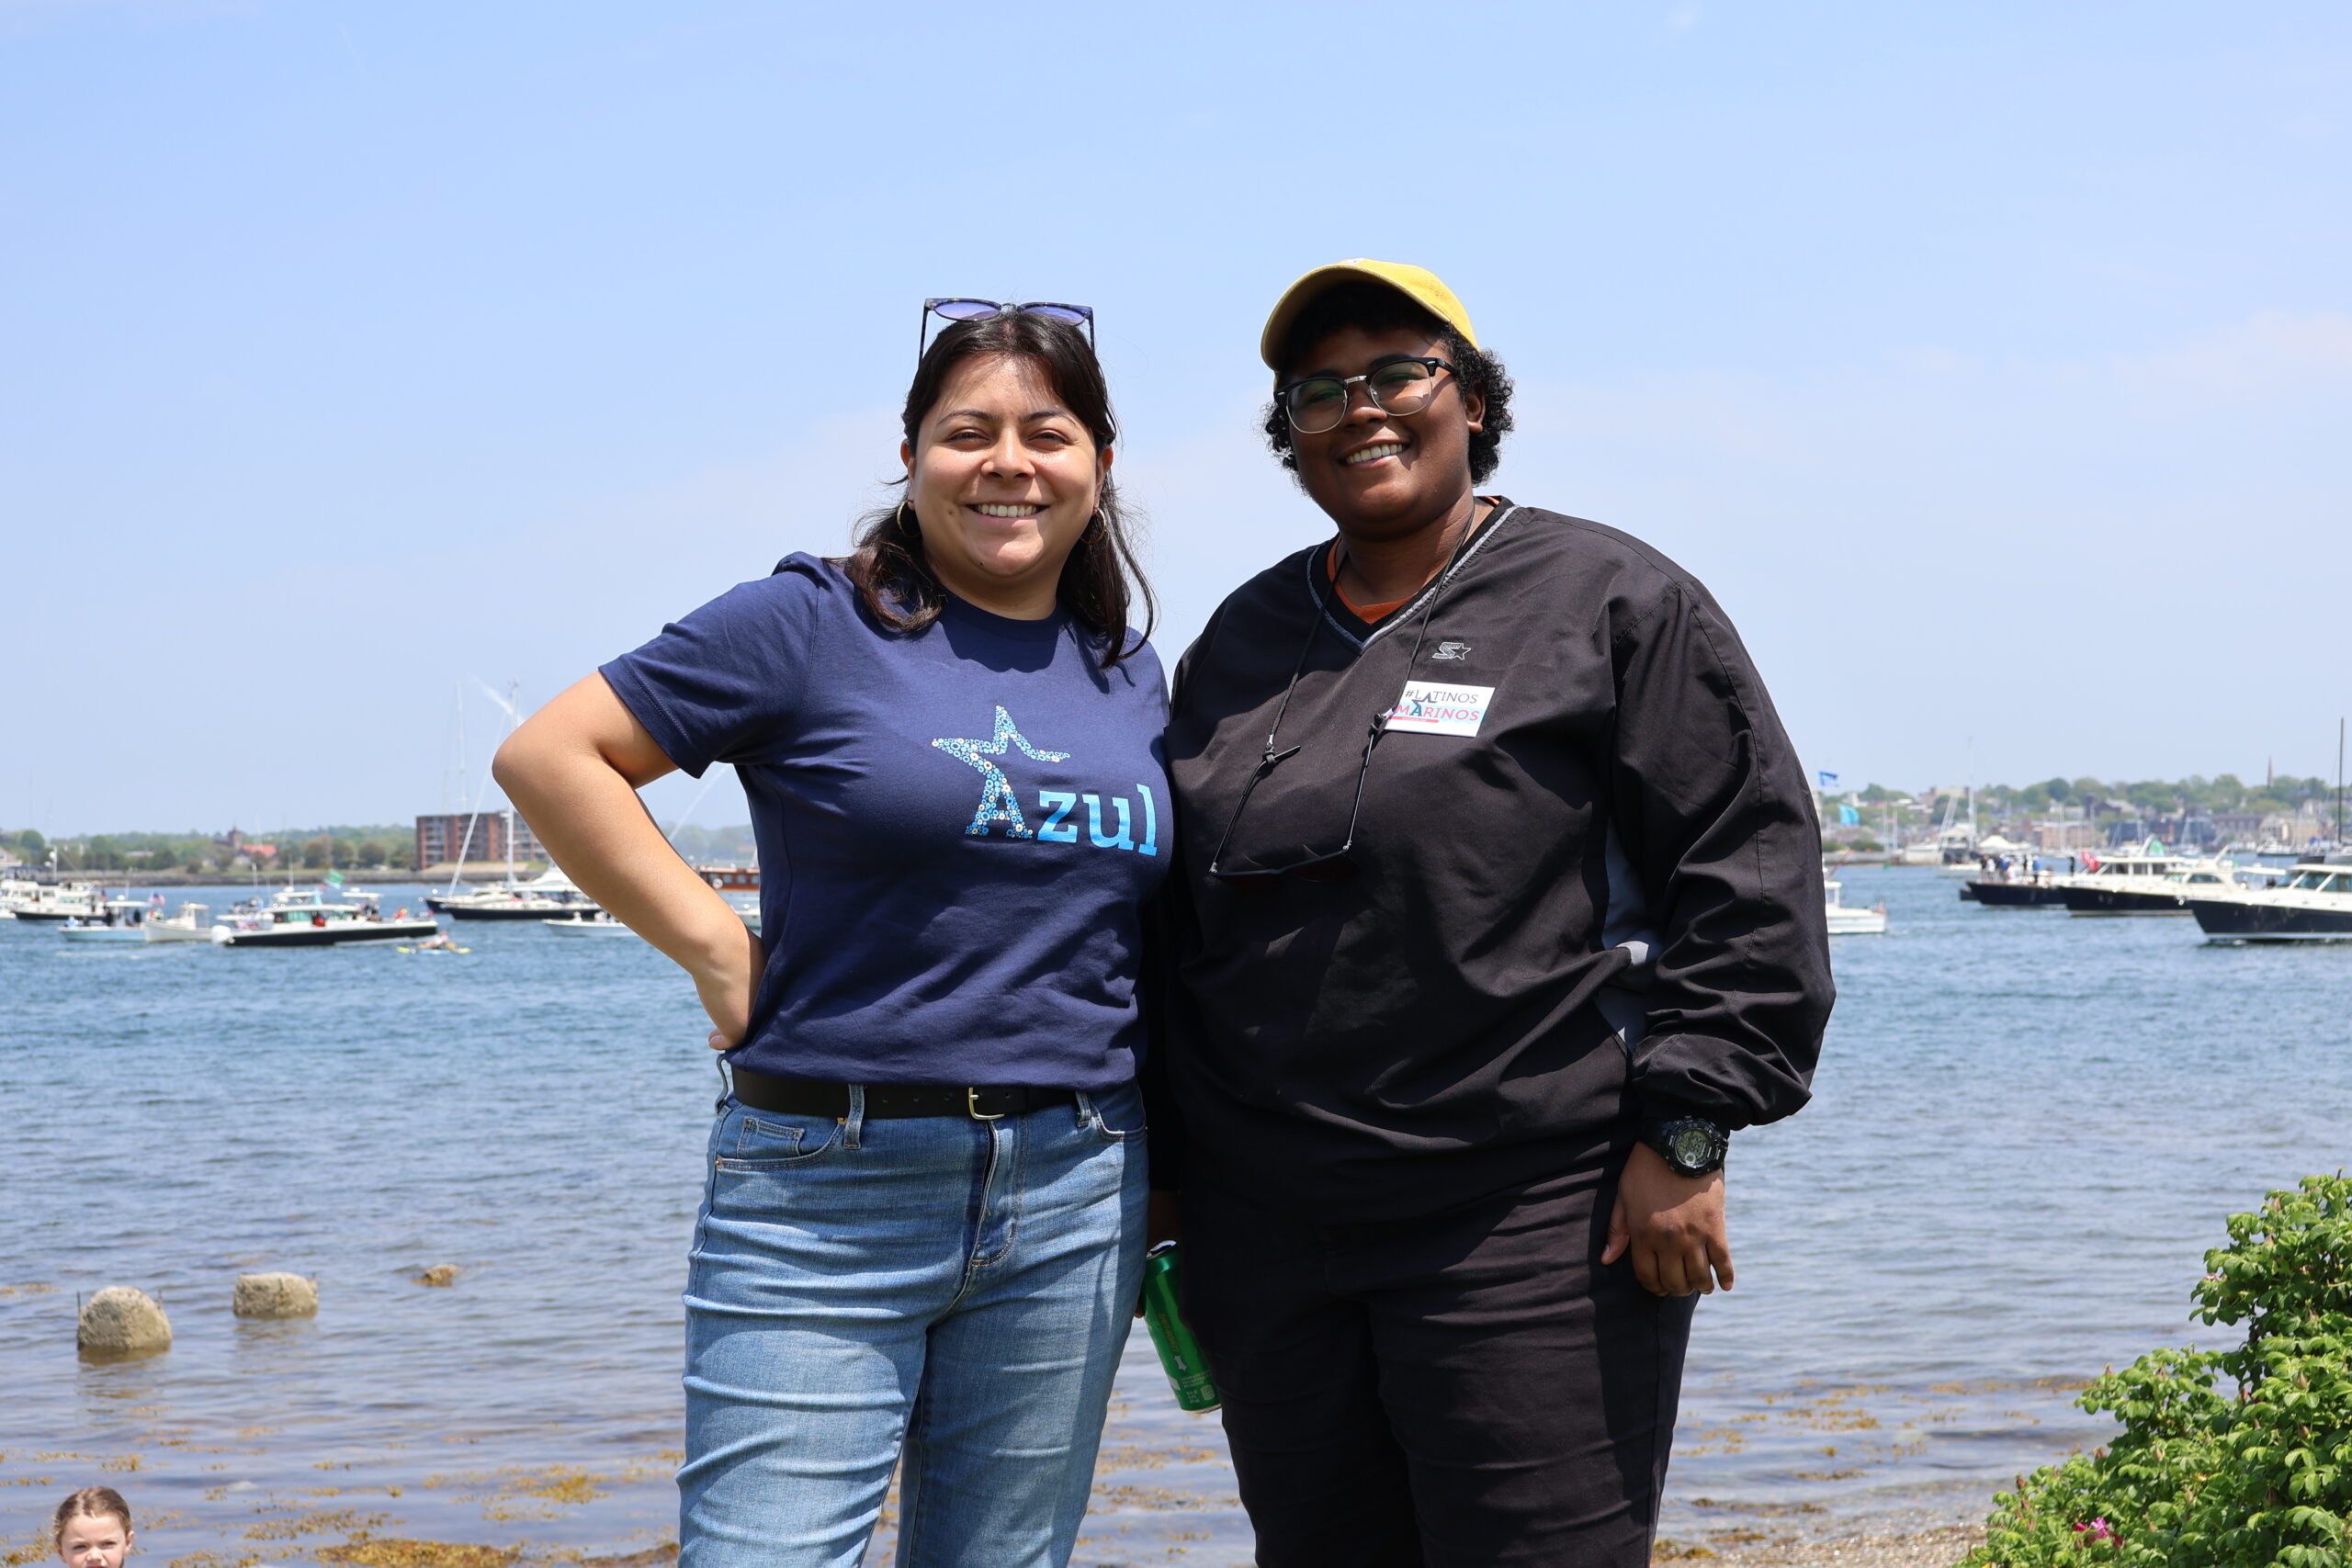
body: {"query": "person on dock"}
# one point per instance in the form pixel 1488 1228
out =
pixel 921 1235
pixel 92 1529
pixel 1498 911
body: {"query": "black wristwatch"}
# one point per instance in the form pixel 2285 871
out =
pixel 1691 1145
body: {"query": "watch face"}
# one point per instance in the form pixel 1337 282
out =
pixel 1692 1146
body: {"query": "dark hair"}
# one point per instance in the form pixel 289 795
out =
pixel 1377 308
pixel 90 1502
pixel 894 579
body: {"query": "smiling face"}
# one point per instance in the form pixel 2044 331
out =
pixel 1002 482
pixel 94 1541
pixel 1379 475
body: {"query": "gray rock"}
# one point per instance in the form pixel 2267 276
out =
pixel 121 1321
pixel 276 1296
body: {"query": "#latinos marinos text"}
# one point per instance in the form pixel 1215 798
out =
pixel 1437 707
pixel 1001 804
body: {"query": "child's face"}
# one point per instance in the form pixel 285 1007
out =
pixel 93 1542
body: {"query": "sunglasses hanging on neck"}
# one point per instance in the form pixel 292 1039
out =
pixel 1334 866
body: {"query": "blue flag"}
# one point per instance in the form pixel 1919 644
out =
pixel 1847 817
pixel 1828 781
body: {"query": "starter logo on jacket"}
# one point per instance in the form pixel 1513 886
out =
pixel 1438 708
pixel 1000 802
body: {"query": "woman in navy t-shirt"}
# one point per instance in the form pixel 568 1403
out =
pixel 921 1237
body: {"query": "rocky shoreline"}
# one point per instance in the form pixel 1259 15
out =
pixel 1938 1548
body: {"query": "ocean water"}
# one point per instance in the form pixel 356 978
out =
pixel 2026 1129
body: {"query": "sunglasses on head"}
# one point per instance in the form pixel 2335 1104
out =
pixel 981 310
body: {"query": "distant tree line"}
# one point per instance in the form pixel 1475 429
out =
pixel 2190 809
pixel 2195 794
pixel 347 847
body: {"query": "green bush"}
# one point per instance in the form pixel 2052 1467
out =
pixel 2202 1477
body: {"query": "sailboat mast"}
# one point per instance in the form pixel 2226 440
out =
pixel 514 723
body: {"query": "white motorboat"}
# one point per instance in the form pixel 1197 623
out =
pixel 303 916
pixel 549 894
pixel 192 923
pixel 598 924
pixel 1844 919
pixel 64 901
pixel 2312 903
pixel 118 919
pixel 2149 883
pixel 1847 920
pixel 127 929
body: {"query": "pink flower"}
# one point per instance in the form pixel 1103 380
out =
pixel 2098 1531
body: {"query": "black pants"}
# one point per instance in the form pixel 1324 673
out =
pixel 1467 1390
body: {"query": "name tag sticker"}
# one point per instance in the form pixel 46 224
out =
pixel 1437 707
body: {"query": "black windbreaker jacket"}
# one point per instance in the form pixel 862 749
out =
pixel 1588 881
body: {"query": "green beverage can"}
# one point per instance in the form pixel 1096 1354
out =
pixel 1180 1353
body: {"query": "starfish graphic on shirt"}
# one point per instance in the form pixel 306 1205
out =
pixel 997 803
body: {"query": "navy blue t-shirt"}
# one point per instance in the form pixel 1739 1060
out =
pixel 957 829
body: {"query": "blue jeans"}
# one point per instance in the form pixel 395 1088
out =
pixel 950 1292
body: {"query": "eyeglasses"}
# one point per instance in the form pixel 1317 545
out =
pixel 1399 386
pixel 1338 864
pixel 1335 866
pixel 981 310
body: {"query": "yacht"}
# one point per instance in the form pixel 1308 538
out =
pixel 302 917
pixel 2141 883
pixel 1844 919
pixel 549 894
pixel 2312 903
pixel 2020 884
pixel 64 901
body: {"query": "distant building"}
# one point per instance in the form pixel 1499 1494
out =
pixel 440 839
pixel 2191 831
pixel 2061 836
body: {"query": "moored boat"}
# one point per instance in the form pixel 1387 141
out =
pixel 114 926
pixel 2313 903
pixel 598 924
pixel 303 916
pixel 64 901
pixel 2015 883
pixel 549 894
pixel 193 922
pixel 1846 919
pixel 2144 885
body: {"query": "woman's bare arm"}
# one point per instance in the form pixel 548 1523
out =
pixel 574 770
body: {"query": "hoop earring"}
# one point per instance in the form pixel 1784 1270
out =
pixel 899 521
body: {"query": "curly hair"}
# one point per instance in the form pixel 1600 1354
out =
pixel 1378 308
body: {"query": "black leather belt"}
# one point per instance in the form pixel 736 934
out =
pixel 803 1097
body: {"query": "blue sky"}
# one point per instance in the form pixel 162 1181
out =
pixel 1991 363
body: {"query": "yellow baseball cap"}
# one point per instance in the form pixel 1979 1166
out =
pixel 1418 283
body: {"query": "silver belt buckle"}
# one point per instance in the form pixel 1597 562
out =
pixel 972 1104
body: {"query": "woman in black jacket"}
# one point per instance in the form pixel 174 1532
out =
pixel 1500 909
